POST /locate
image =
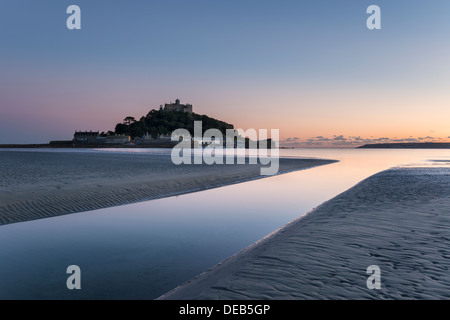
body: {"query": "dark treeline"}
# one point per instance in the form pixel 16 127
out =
pixel 159 122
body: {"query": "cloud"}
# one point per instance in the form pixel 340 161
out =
pixel 406 140
pixel 291 139
pixel 352 141
pixel 319 139
pixel 339 138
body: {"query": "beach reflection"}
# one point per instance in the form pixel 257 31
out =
pixel 142 250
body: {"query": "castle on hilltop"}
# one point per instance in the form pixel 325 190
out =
pixel 177 106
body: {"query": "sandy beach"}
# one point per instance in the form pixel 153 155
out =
pixel 398 219
pixel 38 184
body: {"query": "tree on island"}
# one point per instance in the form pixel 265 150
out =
pixel 129 120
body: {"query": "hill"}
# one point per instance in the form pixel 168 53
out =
pixel 161 122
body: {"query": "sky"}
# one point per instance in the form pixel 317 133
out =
pixel 311 69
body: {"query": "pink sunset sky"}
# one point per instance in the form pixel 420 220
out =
pixel 319 76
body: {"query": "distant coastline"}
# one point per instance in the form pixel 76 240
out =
pixel 410 145
pixel 151 144
pixel 85 146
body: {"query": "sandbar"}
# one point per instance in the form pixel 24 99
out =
pixel 37 184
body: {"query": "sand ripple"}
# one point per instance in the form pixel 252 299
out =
pixel 398 219
pixel 36 185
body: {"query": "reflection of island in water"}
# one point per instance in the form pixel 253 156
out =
pixel 410 145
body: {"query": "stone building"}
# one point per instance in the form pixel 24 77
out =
pixel 85 136
pixel 94 138
pixel 177 106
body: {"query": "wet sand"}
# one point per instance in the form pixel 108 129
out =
pixel 38 184
pixel 398 219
